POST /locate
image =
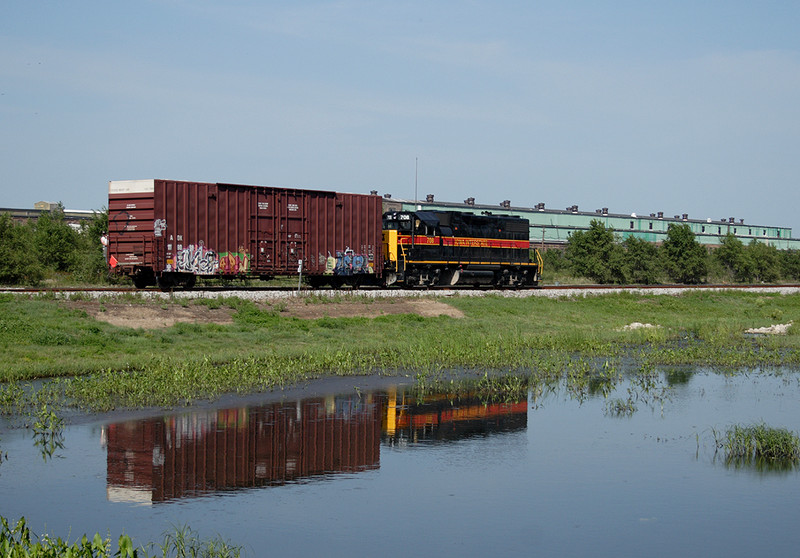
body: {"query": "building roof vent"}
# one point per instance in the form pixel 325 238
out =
pixel 373 192
pixel 387 196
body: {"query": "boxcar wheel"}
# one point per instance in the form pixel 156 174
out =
pixel 165 282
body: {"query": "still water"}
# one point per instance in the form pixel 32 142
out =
pixel 382 471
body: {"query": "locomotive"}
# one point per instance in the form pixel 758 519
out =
pixel 169 233
pixel 425 248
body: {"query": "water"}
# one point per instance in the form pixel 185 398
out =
pixel 360 472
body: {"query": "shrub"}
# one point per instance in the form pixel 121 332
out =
pixel 684 259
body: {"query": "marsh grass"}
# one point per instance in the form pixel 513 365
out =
pixel 759 445
pixel 109 367
pixel 618 407
pixel 19 541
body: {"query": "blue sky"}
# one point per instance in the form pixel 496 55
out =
pixel 682 107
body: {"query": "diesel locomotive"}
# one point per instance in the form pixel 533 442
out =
pixel 426 248
pixel 169 233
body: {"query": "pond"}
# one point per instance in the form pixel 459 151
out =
pixel 339 470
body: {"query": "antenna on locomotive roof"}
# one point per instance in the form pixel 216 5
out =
pixel 416 197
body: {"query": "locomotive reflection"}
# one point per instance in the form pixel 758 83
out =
pixel 200 453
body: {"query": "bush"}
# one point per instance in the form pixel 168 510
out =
pixel 596 254
pixel 684 259
pixel 54 241
pixel 642 265
pixel 765 261
pixel 18 262
pixel 733 258
pixel 50 245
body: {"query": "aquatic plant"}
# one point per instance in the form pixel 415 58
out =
pixel 183 542
pixel 19 541
pixel 48 432
pixel 759 445
pixel 618 407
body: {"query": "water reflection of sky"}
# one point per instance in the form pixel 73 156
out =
pixel 554 476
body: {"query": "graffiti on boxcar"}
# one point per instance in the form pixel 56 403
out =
pixel 197 259
pixel 349 262
pixel 159 226
pixel 231 263
pixel 122 220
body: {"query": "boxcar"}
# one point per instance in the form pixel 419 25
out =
pixel 170 232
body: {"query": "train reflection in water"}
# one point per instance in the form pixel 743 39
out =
pixel 179 456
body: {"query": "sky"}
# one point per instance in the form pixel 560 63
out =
pixel 638 106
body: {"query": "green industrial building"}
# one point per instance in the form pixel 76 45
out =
pixel 550 228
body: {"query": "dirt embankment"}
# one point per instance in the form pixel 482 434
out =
pixel 158 315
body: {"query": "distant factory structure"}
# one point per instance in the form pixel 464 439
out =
pixel 73 217
pixel 550 228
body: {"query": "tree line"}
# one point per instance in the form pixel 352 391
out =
pixel 50 248
pixel 600 255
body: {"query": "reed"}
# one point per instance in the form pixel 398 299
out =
pixel 759 444
pixel 19 541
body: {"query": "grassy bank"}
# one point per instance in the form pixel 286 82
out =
pixel 117 366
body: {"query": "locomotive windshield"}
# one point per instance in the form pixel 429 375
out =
pixel 397 222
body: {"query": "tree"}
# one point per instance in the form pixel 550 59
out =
pixel 91 265
pixel 641 261
pixel 554 260
pixel 733 257
pixel 765 261
pixel 18 262
pixel 596 254
pixel 790 264
pixel 55 242
pixel 684 259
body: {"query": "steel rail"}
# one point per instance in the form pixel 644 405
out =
pixel 201 289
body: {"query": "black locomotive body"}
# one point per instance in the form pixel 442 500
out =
pixel 426 248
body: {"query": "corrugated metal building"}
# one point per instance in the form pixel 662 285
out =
pixel 550 228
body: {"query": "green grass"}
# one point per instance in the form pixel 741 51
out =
pixel 760 445
pixel 19 541
pixel 264 348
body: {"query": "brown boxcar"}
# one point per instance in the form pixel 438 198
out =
pixel 170 232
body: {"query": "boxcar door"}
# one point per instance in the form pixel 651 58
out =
pixel 291 221
pixel 264 243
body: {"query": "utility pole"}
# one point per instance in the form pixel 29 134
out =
pixel 416 166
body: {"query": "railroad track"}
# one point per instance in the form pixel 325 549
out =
pixel 283 291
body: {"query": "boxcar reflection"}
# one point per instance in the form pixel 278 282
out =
pixel 198 453
pixel 185 455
